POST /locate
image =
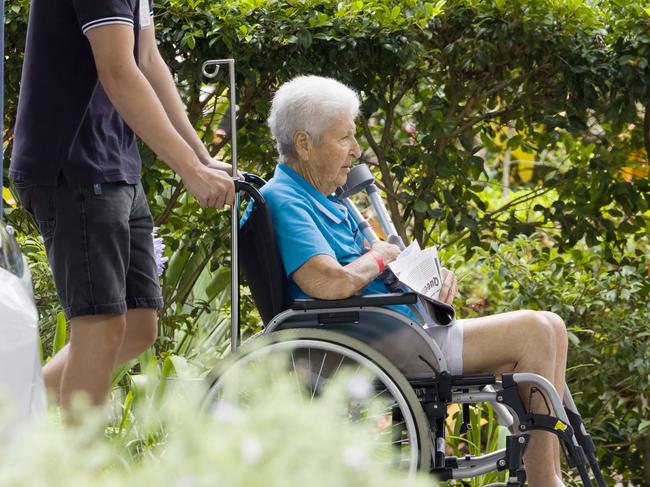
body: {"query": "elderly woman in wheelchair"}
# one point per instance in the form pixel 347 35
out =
pixel 324 256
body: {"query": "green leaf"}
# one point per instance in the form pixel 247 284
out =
pixel 420 206
pixel 60 333
pixel 218 283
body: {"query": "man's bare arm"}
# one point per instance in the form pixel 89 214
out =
pixel 157 73
pixel 136 101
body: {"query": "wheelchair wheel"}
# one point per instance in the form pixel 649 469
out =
pixel 316 357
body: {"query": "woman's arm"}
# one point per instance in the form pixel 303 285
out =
pixel 322 277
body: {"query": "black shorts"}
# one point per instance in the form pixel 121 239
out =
pixel 99 244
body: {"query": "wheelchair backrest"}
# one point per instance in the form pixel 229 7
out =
pixel 260 260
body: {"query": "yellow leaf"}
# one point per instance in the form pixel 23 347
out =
pixel 525 170
pixel 7 196
pixel 519 155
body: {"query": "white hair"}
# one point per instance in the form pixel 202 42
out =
pixel 310 103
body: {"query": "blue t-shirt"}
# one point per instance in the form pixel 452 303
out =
pixel 307 224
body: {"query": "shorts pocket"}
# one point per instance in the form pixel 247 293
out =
pixel 47 229
pixel 24 192
pixel 39 201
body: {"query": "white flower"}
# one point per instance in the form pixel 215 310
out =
pixel 251 450
pixel 226 412
pixel 185 481
pixel 359 388
pixel 356 458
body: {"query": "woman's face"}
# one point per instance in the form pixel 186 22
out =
pixel 329 162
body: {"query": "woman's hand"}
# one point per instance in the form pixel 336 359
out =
pixel 388 252
pixel 449 288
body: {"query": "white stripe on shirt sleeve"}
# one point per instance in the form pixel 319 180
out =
pixel 106 21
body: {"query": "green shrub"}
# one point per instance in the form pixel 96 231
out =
pixel 607 310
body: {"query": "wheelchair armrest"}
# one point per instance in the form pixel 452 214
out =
pixel 355 301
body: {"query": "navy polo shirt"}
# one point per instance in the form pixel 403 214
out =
pixel 66 125
pixel 307 224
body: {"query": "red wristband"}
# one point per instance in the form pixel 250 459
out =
pixel 380 262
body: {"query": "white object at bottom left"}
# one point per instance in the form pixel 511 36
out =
pixel 22 392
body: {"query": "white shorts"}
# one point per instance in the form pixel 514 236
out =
pixel 450 341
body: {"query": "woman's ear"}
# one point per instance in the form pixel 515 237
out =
pixel 302 144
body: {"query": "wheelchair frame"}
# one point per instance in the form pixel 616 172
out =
pixel 426 372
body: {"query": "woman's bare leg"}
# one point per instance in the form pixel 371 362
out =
pixel 561 348
pixel 520 341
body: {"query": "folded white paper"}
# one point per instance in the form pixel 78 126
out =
pixel 419 270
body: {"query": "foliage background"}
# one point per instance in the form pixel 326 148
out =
pixel 514 134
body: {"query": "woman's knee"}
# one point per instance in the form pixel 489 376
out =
pixel 558 326
pixel 539 332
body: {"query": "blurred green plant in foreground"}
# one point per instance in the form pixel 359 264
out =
pixel 275 439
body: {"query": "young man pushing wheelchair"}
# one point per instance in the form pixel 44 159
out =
pixel 92 77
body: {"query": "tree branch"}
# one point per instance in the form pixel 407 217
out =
pixel 164 216
pixel 387 178
pixel 646 132
pixel 517 201
pixel 485 116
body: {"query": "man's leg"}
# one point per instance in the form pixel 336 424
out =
pixel 520 341
pixel 140 333
pixel 95 342
pixel 100 248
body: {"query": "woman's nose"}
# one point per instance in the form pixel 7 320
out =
pixel 356 150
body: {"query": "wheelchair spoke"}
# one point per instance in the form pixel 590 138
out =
pixel 318 377
pixel 338 366
pixel 295 375
pixel 394 425
pixel 378 393
pixel 403 441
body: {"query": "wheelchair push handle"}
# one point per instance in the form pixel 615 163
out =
pixel 253 179
pixel 248 186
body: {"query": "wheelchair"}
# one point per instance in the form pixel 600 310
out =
pixel 319 340
pixel 409 373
